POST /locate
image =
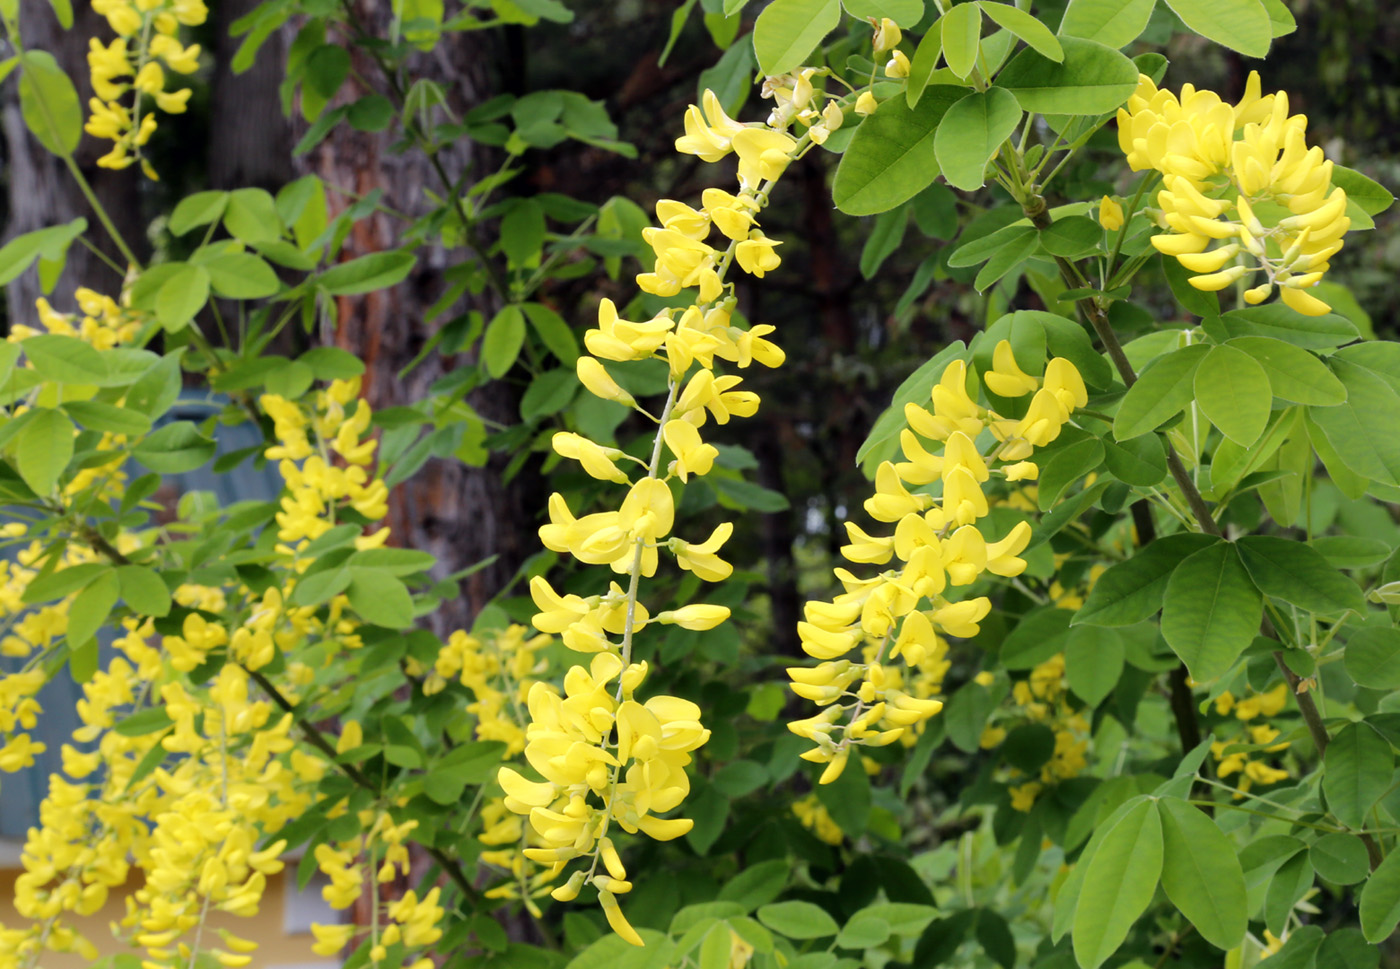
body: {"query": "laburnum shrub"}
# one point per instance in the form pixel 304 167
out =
pixel 1036 750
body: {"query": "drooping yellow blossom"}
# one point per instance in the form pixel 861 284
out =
pixel 605 759
pixel 1240 178
pixel 135 63
pixel 905 613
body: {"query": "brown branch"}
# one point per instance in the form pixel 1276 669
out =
pixel 318 740
pixel 1036 210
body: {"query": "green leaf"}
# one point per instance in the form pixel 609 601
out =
pixel 97 416
pixel 1341 859
pixel 92 607
pixel 548 394
pixel 553 332
pixel 1298 574
pixel 1037 636
pixel 380 598
pixel 1093 662
pixel 1241 25
pixel 798 920
pixel 740 777
pixel 710 810
pixel 1139 461
pixel 175 448
pixel 319 587
pixel 378 270
pixel 612 951
pixel 1024 26
pixel 143 590
pixel 49 102
pixel 1211 611
pixel 240 275
pixel 63 10
pixel 395 561
pixel 891 157
pixel 1366 193
pixel 143 722
pixel 1161 392
pixel 861 931
pixel 1356 772
pixel 505 335
pixel 906 13
pixel 1362 431
pixel 1281 323
pixel 1118 884
pixel 848 800
pixel 332 363
pixel 251 215
pixel 1073 236
pixel 43 450
pixel 1372 657
pixel 371 113
pixel 971 134
pixel 923 63
pixel 66 359
pixel 1066 466
pixel 885 238
pixel 20 252
pixel 962 28
pixel 1294 373
pixel 182 296
pixel 1093 79
pixel 1233 393
pixel 1347 949
pixel 787 30
pixel 1380 899
pixel 522 234
pixel 196 210
pixel 757 884
pixel 56 585
pixel 1201 874
pixel 1113 23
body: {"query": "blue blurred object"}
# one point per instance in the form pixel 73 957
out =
pixel 22 792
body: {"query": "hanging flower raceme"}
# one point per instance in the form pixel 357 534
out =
pixel 183 807
pixel 1243 193
pixel 1043 698
pixel 605 759
pixel 134 63
pixel 880 643
pixel 1247 753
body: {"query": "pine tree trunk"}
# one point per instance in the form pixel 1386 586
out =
pixel 460 514
pixel 41 190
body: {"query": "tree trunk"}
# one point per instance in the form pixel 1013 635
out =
pixel 42 192
pixel 460 514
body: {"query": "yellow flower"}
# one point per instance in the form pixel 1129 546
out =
pixel 1110 214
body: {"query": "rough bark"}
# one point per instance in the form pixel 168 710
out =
pixel 249 143
pixel 460 514
pixel 41 191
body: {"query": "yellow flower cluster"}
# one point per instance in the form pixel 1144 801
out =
pixel 605 757
pixel 1241 175
pixel 1043 698
pixel 147 38
pixel 318 488
pixel 377 855
pixel 102 321
pixel 183 803
pixel 818 820
pixel 499 667
pixel 1251 768
pixel 939 545
pixel 189 826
